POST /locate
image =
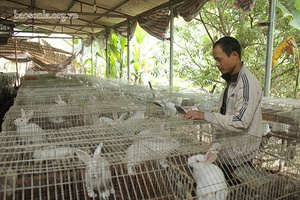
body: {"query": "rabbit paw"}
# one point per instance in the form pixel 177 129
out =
pixel 112 190
pixel 92 194
pixel 163 164
pixel 105 194
pixel 130 169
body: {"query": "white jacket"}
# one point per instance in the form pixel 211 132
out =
pixel 243 112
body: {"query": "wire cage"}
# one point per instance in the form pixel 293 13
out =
pixel 202 101
pixel 38 118
pixel 151 164
pixel 282 115
pixel 96 82
pixel 104 142
pixel 79 95
pixel 49 95
pixel 52 169
pixel 46 80
pixel 7 79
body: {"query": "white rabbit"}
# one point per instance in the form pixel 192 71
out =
pixel 156 147
pixel 170 106
pixel 55 110
pixel 28 131
pixel 279 127
pixel 8 181
pixel 52 153
pixel 138 115
pixel 110 121
pixel 171 110
pixel 211 183
pixel 97 173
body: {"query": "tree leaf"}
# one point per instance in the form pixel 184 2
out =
pixel 140 35
pixel 291 11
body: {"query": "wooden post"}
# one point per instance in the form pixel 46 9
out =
pixel 16 60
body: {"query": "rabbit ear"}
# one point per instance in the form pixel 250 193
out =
pixel 58 100
pixel 23 113
pixel 210 156
pixel 98 150
pixel 83 156
pixel 29 114
pixel 122 117
pixel 216 147
pixel 115 116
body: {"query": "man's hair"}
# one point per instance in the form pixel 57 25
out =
pixel 229 45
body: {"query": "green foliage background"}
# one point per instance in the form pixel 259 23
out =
pixel 193 63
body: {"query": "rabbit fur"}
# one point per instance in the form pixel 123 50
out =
pixel 149 148
pixel 97 173
pixel 53 153
pixel 8 181
pixel 55 110
pixel 110 121
pixel 211 183
pixel 27 130
pixel 138 115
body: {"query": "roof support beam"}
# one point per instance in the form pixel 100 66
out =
pixel 98 17
pixel 108 10
pixel 149 11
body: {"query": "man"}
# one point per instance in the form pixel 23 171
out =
pixel 239 107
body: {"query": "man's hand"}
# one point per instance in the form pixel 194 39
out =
pixel 194 115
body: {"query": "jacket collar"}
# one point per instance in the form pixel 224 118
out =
pixel 232 78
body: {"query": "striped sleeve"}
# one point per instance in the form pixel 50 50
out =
pixel 246 94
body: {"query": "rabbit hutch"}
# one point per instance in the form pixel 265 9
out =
pixel 119 142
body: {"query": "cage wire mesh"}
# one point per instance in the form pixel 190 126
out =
pixel 51 169
pixel 37 118
pixel 45 80
pixel 281 136
pixel 188 100
pixel 68 96
pixel 106 142
pixel 7 80
pixel 280 144
pixel 50 95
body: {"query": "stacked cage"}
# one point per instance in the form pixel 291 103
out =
pixel 8 83
pixel 93 138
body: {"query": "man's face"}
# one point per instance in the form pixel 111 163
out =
pixel 224 63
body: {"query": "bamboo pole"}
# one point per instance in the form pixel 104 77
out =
pixel 16 60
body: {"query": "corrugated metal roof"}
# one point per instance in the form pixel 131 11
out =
pixel 73 17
